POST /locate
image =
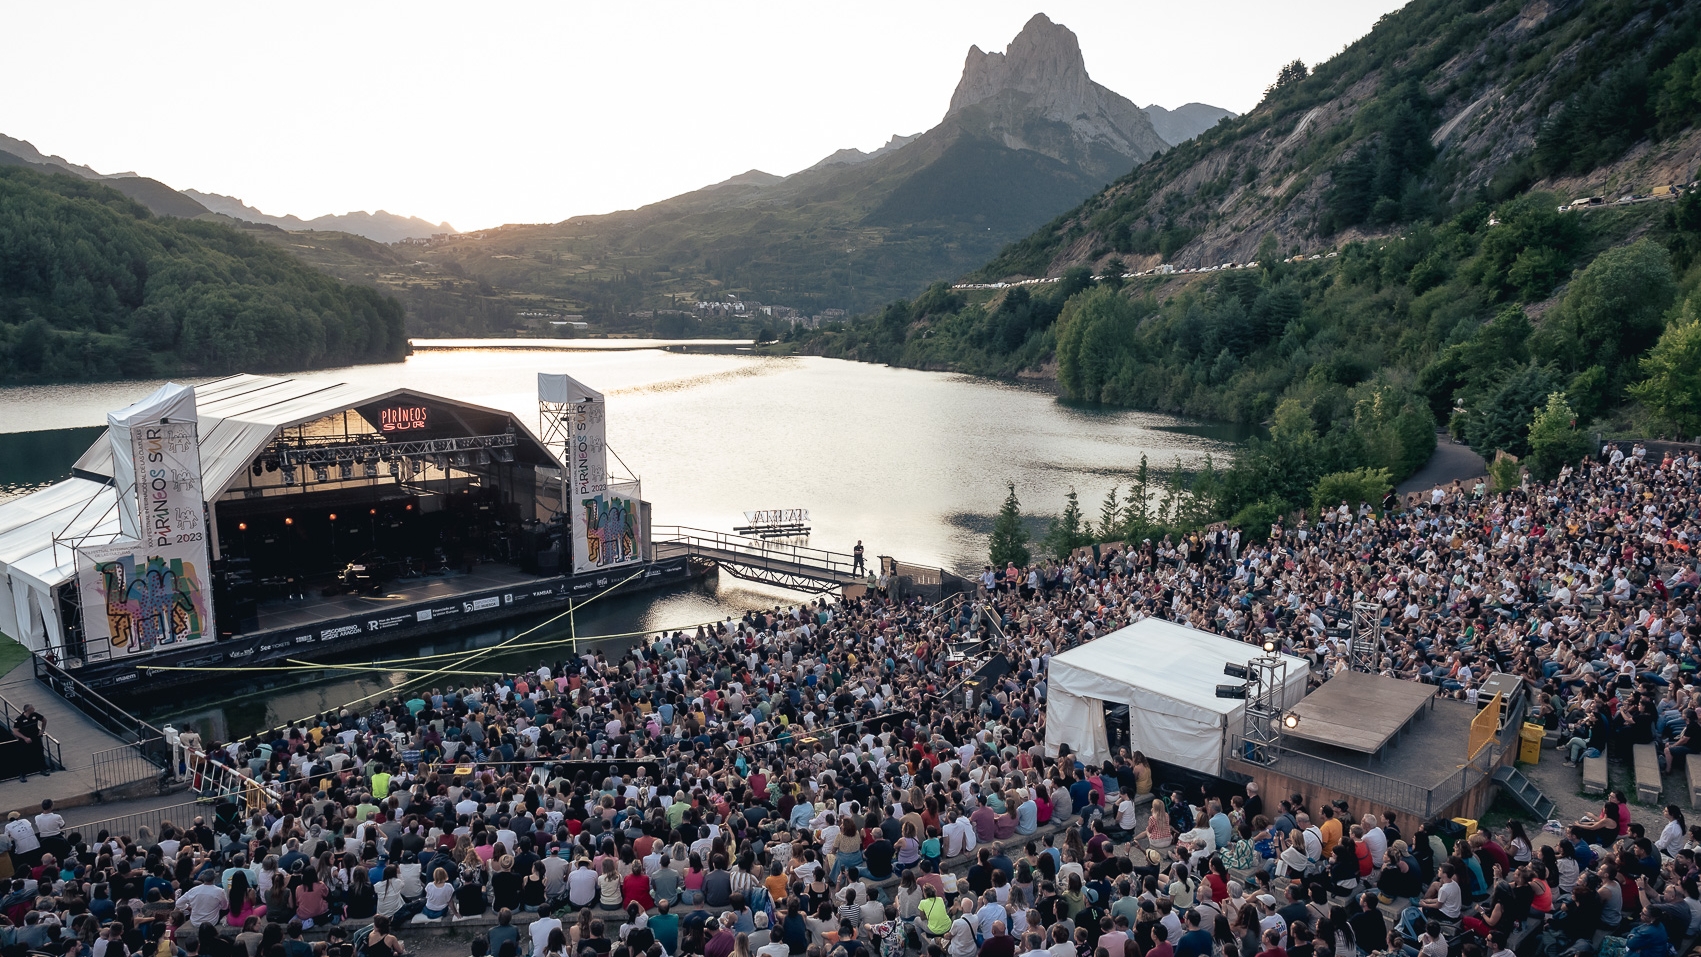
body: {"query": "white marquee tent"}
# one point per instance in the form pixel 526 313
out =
pixel 1167 675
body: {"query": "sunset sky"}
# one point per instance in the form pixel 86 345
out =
pixel 532 112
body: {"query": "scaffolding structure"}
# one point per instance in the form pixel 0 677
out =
pixel 1364 647
pixel 1261 729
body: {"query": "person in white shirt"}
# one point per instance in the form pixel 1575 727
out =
pixel 205 902
pixel 48 823
pixel 546 922
pixel 1374 838
pixel 24 842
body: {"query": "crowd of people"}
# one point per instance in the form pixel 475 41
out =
pixel 806 781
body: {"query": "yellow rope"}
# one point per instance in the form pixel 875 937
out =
pixel 472 657
pixel 399 664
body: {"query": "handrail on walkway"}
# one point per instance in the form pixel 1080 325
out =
pixel 145 739
pixel 757 548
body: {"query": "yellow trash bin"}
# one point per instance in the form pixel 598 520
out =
pixel 1469 824
pixel 1530 743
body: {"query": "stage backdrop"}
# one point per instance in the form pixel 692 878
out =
pixel 607 527
pixel 149 589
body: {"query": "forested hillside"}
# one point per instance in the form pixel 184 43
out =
pixel 1419 177
pixel 93 285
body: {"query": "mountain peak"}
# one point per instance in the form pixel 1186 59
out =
pixel 1043 60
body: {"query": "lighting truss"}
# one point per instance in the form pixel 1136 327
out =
pixel 292 456
pixel 1364 648
pixel 1261 730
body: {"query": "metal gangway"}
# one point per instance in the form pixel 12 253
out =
pixel 797 567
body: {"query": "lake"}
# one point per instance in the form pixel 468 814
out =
pixel 913 463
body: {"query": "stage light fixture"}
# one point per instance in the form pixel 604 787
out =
pixel 410 507
pixel 483 458
pixel 1231 691
pixel 259 468
pixel 271 465
pixel 1290 720
pixel 333 516
pixel 505 456
pixel 371 468
pixel 1237 671
pixel 242 526
pixel 372 511
pixel 1269 646
pixel 289 476
pixel 288 520
pixel 345 468
pixel 321 474
pixel 395 468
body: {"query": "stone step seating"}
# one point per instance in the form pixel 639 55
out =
pixel 1595 774
pixel 1649 785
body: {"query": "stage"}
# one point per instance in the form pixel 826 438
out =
pixel 276 613
pixel 325 628
pixel 1419 774
pixel 1359 712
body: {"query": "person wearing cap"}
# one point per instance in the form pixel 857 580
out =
pixel 26 847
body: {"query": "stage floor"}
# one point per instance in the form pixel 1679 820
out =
pixel 1360 712
pixel 276 613
pixel 1426 755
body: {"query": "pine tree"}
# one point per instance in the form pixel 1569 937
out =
pixel 1009 541
pixel 1110 517
pixel 1066 534
pixel 1137 512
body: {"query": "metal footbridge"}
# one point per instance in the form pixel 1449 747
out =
pixel 797 567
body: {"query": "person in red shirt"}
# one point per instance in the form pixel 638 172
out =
pixel 1272 944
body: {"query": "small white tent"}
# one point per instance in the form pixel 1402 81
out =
pixel 1167 675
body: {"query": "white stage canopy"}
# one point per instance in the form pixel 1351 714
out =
pixel 1167 675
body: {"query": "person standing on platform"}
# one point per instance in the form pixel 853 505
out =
pixel 857 565
pixel 31 728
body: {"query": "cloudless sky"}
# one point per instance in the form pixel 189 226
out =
pixel 489 113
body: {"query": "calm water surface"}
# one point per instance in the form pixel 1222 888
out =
pixel 914 464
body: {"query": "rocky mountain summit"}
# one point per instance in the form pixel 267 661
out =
pixel 1040 83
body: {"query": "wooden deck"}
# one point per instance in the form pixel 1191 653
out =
pixel 1359 712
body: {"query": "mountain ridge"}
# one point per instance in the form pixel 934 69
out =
pixel 380 226
pixel 1028 134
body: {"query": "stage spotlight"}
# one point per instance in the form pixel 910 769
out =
pixel 1290 720
pixel 505 455
pixel 259 468
pixel 321 474
pixel 333 516
pixel 372 468
pixel 410 507
pixel 288 520
pixel 289 476
pixel 395 468
pixel 372 511
pixel 345 468
pixel 1237 671
pixel 271 465
pixel 483 458
pixel 1269 646
pixel 1231 691
pixel 462 460
pixel 242 526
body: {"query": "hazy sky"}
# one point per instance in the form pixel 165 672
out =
pixel 488 113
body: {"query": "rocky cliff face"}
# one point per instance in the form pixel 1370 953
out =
pixel 1037 89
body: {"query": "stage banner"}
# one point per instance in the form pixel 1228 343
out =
pixel 150 589
pixel 586 418
pixel 607 528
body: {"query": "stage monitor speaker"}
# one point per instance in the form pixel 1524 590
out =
pixel 549 561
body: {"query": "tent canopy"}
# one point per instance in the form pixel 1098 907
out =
pixel 1167 675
